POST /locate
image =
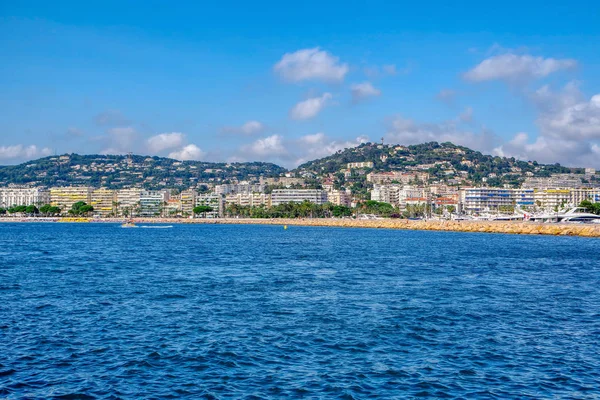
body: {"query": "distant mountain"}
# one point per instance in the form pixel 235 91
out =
pixel 445 162
pixel 118 171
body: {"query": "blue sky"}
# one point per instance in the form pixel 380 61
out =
pixel 236 81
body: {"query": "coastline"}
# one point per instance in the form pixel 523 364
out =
pixel 519 228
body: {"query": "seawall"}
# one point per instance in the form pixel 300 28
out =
pixel 521 228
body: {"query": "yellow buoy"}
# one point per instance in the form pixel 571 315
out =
pixel 285 227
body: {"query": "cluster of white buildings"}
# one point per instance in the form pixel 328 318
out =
pixel 154 203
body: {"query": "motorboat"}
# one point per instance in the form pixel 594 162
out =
pixel 575 214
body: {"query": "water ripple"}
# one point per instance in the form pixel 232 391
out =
pixel 257 312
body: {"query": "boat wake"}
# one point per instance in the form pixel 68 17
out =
pixel 156 227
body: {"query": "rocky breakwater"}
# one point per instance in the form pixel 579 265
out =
pixel 521 228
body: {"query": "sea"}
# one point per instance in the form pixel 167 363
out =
pixel 259 312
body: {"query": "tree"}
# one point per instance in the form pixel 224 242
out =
pixel 32 210
pixel 2 211
pixel 202 210
pixel 81 208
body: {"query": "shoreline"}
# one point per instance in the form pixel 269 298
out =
pixel 507 227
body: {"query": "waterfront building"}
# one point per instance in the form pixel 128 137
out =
pixel 212 200
pixel 361 164
pixel 128 202
pixel 340 197
pixel 16 196
pixel 552 199
pixel 152 202
pixel 281 196
pixel 242 187
pixel 249 199
pixel 65 197
pixel 396 195
pixel 579 195
pixel 104 202
pixel 495 199
pixel 188 202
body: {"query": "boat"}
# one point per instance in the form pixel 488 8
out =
pixel 573 215
pixel 128 224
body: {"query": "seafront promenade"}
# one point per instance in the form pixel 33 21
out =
pixel 520 228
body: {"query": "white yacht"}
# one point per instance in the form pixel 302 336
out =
pixel 575 214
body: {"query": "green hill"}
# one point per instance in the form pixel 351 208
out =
pixel 445 162
pixel 117 171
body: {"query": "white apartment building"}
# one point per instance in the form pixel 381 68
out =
pixel 242 187
pixel 152 202
pixel 281 196
pixel 361 164
pixel 396 176
pixel 396 195
pixel 551 199
pixel 579 195
pixel 10 197
pixel 249 199
pixel 213 200
pixel 128 201
pixel 340 197
pixel 492 199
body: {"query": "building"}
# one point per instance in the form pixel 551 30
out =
pixel 556 181
pixel 361 164
pixel 396 195
pixel 340 197
pixel 152 202
pixel 249 199
pixel 213 201
pixel 15 196
pixel 104 202
pixel 495 199
pixel 128 202
pixel 404 178
pixel 188 202
pixel 242 187
pixel 281 196
pixel 65 197
pixel 552 199
pixel 282 181
pixel 579 195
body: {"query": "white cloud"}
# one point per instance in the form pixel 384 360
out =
pixel 569 129
pixel 189 152
pixel 120 140
pixel 248 128
pixel 309 108
pixel 405 131
pixel 292 152
pixel 514 68
pixel 311 64
pixel 363 90
pixel 165 141
pixel 318 145
pixel 264 147
pixel 21 152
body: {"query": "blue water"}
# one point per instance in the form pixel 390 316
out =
pixel 261 312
